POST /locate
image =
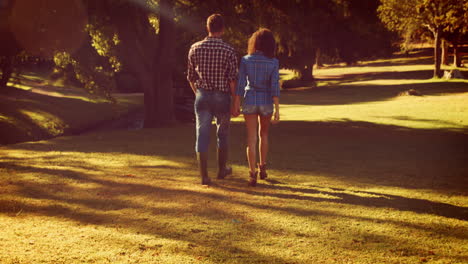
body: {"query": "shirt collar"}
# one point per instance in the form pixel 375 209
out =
pixel 213 38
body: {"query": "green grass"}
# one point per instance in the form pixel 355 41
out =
pixel 33 110
pixel 358 174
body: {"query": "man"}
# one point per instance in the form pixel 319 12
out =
pixel 212 74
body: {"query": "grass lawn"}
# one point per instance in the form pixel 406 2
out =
pixel 34 110
pixel 359 174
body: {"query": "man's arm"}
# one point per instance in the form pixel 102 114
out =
pixel 194 88
pixel 233 86
pixel 235 102
pixel 192 75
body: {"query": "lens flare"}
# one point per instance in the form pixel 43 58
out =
pixel 43 27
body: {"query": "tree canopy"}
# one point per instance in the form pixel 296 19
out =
pixel 416 16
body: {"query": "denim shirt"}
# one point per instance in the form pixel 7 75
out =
pixel 258 79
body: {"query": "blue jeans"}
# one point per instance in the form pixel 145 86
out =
pixel 209 104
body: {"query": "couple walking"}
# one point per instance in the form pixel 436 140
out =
pixel 217 82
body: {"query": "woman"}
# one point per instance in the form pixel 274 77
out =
pixel 258 84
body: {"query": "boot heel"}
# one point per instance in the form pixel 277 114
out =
pixel 263 173
pixel 253 179
pixel 202 158
pixel 223 170
pixel 223 173
pixel 206 181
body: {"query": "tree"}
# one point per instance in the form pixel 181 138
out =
pixel 298 27
pixel 98 38
pixel 10 47
pixel 163 97
pixel 457 31
pixel 139 36
pixel 345 30
pixel 361 34
pixel 437 16
pixel 8 53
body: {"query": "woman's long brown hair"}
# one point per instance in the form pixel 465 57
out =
pixel 264 41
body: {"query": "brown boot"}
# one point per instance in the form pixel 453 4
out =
pixel 223 170
pixel 262 169
pixel 253 179
pixel 202 158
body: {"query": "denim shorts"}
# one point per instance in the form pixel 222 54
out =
pixel 211 105
pixel 263 110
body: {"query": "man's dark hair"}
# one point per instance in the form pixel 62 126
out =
pixel 215 23
pixel 264 41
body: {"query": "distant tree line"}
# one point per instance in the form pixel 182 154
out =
pixel 445 20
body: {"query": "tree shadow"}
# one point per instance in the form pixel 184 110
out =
pixel 351 151
pixel 355 152
pixel 98 206
pixel 336 88
pixel 62 201
pixel 346 93
pixel 424 120
pixel 367 153
pixel 21 126
pixel 415 59
pixel 379 200
pixel 393 75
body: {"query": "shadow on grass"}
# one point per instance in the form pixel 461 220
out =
pixel 399 61
pixel 375 200
pixel 424 120
pixel 25 110
pixel 62 201
pixel 357 153
pixel 346 93
pixel 106 197
pixel 390 75
pixel 98 206
pixel 353 151
pixel 361 154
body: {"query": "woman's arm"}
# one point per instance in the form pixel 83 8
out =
pixel 275 92
pixel 242 78
pixel 240 90
pixel 276 114
pixel 275 87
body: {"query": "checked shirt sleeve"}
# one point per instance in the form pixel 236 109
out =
pixel 232 67
pixel 242 81
pixel 192 75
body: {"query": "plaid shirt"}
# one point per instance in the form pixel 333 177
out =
pixel 258 79
pixel 212 64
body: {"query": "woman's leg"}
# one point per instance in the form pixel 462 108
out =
pixel 251 122
pixel 263 134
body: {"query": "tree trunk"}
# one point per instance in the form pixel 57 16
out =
pixel 437 55
pixel 147 82
pixel 306 73
pixel 147 56
pixel 318 59
pixel 445 53
pixel 456 55
pixel 165 64
pixel 7 70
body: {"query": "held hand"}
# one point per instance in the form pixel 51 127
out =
pixel 235 106
pixel 235 110
pixel 276 118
